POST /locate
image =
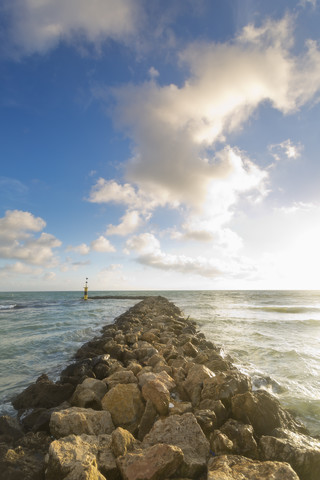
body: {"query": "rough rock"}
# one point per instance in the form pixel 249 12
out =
pixel 301 451
pixel 123 376
pixel 122 441
pixel 194 382
pixel 74 455
pixel 89 394
pixel 207 420
pixel 158 394
pixel 10 428
pixel 147 420
pixel 263 411
pixel 242 437
pixel 25 461
pixel 153 463
pixel 217 407
pixel 125 404
pixel 77 372
pixel 77 421
pixel 220 443
pixel 235 467
pixel 163 376
pixel 44 393
pixel 225 385
pixel 182 431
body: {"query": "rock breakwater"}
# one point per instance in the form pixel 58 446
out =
pixel 152 399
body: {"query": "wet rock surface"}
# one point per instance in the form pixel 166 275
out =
pixel 151 398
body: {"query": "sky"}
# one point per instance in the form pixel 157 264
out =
pixel 159 144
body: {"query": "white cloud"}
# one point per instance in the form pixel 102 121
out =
pixel 39 25
pixel 17 240
pixel 20 269
pixel 105 191
pixel 130 222
pixel 82 249
pixel 102 244
pixel 18 224
pixel 149 253
pixel 287 149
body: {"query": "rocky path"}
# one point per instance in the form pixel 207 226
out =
pixel 152 399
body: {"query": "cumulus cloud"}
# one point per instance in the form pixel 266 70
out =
pixel 147 246
pixel 130 222
pixel 82 249
pixel 17 239
pixel 39 25
pixel 103 245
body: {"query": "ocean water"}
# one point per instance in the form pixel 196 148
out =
pixel 274 336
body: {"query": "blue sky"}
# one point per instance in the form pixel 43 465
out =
pixel 159 144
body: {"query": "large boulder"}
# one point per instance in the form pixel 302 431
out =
pixel 194 382
pixel 77 421
pixel 263 411
pixel 43 393
pixel 89 394
pixel 125 404
pixel 235 467
pixel 225 385
pixel 122 441
pixel 242 437
pixel 158 394
pixel 184 432
pixel 301 451
pixel 153 463
pixel 86 457
pixel 122 376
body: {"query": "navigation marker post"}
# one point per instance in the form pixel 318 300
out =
pixel 85 295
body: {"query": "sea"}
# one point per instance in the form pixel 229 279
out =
pixel 273 336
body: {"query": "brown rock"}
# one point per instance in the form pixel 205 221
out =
pixel 89 394
pixel 190 350
pixel 44 393
pixel 80 420
pixel 242 437
pixel 207 420
pixel 235 467
pixel 10 427
pixel 194 381
pixel 147 420
pixel 217 407
pixel 184 432
pixel 122 441
pixel 125 404
pixel 122 376
pixel 220 444
pixel 153 463
pixel 301 451
pixel 75 455
pixel 263 411
pixel 158 394
pixel 225 385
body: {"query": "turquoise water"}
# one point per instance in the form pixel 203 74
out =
pixel 272 335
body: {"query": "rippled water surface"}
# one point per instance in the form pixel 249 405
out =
pixel 272 335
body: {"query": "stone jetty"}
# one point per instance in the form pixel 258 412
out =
pixel 152 399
